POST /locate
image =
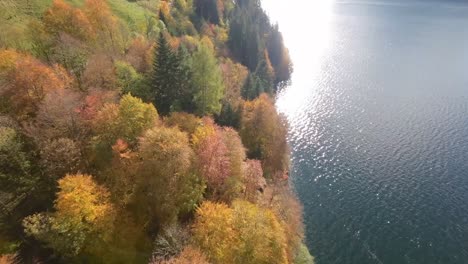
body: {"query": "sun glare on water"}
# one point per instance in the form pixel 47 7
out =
pixel 306 26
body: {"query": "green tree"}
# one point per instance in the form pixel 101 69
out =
pixel 279 56
pixel 210 10
pixel 164 78
pixel 17 180
pixel 234 77
pixel 207 81
pixel 183 80
pixel 266 74
pixel 15 171
pixel 252 88
pixel 249 25
pixel 132 82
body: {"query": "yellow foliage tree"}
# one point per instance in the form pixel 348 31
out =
pixel 241 234
pixel 126 121
pixel 83 220
pixel 206 129
pixel 8 59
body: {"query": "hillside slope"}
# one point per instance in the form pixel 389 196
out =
pixel 144 131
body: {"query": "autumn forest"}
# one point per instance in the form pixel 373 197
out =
pixel 144 131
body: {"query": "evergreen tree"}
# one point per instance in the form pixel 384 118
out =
pixel 208 10
pixel 229 116
pixel 165 70
pixel 184 81
pixel 265 74
pixel 172 79
pixel 280 59
pixel 247 30
pixel 252 88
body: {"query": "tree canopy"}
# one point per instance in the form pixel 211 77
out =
pixel 144 131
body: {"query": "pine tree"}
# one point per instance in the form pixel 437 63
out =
pixel 184 81
pixel 265 74
pixel 252 88
pixel 165 70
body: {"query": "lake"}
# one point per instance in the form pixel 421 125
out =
pixel 378 114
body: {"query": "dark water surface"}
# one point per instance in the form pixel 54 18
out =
pixel 379 131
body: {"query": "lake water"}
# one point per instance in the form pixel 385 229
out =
pixel 378 114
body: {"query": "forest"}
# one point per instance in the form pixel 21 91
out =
pixel 144 131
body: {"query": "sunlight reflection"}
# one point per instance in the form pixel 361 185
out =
pixel 306 27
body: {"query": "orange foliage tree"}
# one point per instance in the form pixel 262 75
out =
pixel 110 32
pixel 28 83
pixel 61 17
pixel 139 54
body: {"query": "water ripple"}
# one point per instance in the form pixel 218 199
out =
pixel 380 139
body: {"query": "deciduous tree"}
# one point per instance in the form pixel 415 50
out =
pixel 213 160
pixel 244 233
pixel 184 121
pixel 127 120
pixel 167 186
pixel 100 73
pixel 303 256
pixel 58 117
pixel 59 157
pixel 132 82
pixel 111 34
pixel 190 255
pixel 15 173
pixel 83 220
pixel 234 76
pixel 234 184
pixel 139 54
pixel 207 81
pixel 254 182
pixel 61 17
pixel 30 81
pixel 263 132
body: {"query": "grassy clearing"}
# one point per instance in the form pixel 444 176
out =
pixel 15 16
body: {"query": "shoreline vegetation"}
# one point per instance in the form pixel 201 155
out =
pixel 144 131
